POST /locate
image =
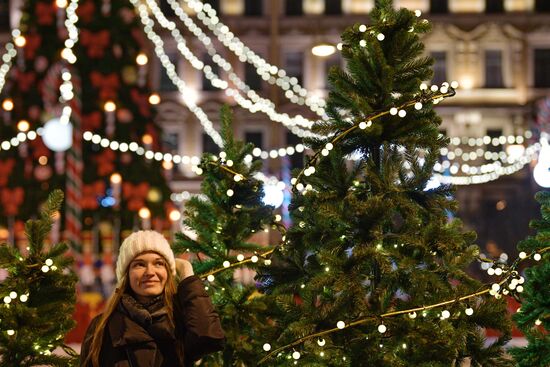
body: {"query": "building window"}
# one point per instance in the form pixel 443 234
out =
pixel 253 8
pixel 166 84
pixel 297 159
pixel 215 4
pixel 439 6
pixel 208 145
pixel 440 67
pixel 333 7
pixel 494 6
pixel 493 69
pixel 542 68
pixel 542 5
pixel 294 7
pixel 170 141
pixel 294 64
pixel 251 77
pixel 206 84
pixel 333 60
pixel 254 137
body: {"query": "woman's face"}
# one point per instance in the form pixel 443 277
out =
pixel 147 274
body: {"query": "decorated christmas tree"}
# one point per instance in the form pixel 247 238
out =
pixel 81 66
pixel 534 316
pixel 38 296
pixel 226 219
pixel 373 271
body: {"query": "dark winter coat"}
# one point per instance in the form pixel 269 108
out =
pixel 126 343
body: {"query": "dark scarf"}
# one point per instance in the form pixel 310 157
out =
pixel 152 316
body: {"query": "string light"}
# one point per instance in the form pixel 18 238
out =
pixel 271 73
pixel 254 103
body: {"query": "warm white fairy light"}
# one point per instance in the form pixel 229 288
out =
pixel 252 101
pixel 340 325
pixel 7 58
pixel 240 257
pixel 266 347
pixel 382 328
pixel 537 257
pixel 210 278
pixel 24 298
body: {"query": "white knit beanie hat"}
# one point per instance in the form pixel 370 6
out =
pixel 139 242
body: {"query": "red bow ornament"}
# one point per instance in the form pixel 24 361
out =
pixel 90 193
pixel 5 170
pixel 45 13
pixel 107 84
pixel 11 200
pixel 32 43
pixel 95 42
pixel 135 195
pixel 91 121
pixel 105 162
pixel 85 11
pixel 142 101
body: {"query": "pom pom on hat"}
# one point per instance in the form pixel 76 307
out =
pixel 142 241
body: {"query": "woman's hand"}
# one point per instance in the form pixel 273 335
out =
pixel 184 268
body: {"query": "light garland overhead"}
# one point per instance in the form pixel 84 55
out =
pixel 7 58
pixel 172 74
pixel 270 73
pixel 251 101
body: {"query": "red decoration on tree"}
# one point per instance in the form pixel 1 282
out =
pixel 105 162
pixel 90 193
pixel 85 11
pixel 107 84
pixel 5 169
pixel 45 13
pixel 91 121
pixel 135 195
pixel 142 101
pixel 95 42
pixel 11 200
pixel 26 80
pixel 39 149
pixel 33 41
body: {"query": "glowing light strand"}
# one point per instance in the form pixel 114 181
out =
pixel 509 274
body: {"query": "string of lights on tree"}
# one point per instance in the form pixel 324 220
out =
pixel 509 284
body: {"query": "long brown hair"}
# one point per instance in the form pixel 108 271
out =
pixel 170 290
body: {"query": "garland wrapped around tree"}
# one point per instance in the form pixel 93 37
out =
pixel 38 296
pixel 369 240
pixel 534 316
pixel 224 218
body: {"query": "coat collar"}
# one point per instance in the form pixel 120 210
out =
pixel 124 331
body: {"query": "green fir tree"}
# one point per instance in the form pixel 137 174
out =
pixel 368 237
pixel 38 297
pixel 534 316
pixel 226 215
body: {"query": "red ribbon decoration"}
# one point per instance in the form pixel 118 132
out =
pixel 135 195
pixel 11 200
pixel 5 170
pixel 45 13
pixel 90 193
pixel 107 84
pixel 32 43
pixel 91 121
pixel 105 162
pixel 85 11
pixel 95 42
pixel 142 101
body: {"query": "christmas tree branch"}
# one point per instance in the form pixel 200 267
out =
pixel 377 115
pixel 402 312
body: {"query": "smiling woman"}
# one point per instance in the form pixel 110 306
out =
pixel 151 320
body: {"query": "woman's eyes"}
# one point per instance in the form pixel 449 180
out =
pixel 157 264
